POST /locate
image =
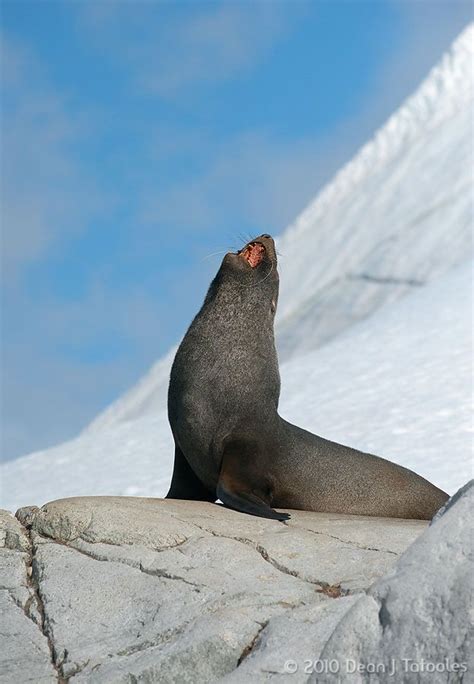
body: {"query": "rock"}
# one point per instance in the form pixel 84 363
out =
pixel 174 591
pixel 414 624
pixel 289 640
pixel 25 654
pixel 112 589
pixel 466 490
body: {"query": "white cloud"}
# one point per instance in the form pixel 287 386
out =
pixel 51 383
pixel 268 179
pixel 49 198
pixel 196 44
pixel 254 175
pixel 214 46
pixel 46 195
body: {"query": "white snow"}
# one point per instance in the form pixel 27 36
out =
pixel 397 384
pixel 360 364
pixel 400 211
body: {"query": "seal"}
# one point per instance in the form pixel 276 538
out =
pixel 230 442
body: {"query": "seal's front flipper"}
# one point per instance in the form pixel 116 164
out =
pixel 185 484
pixel 246 502
pixel 242 484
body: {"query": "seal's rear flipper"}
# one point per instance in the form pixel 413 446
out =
pixel 185 484
pixel 246 502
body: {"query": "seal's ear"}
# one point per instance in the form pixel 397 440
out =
pixel 240 487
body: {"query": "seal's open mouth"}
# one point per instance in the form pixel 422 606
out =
pixel 253 254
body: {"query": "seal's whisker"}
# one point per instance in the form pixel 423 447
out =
pixel 246 236
pixel 243 237
pixel 248 287
pixel 265 277
pixel 208 256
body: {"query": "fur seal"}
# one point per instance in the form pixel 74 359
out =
pixel 231 443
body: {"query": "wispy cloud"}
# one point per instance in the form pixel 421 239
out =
pixel 63 360
pixel 255 176
pixel 213 46
pixel 47 195
pixel 174 48
pixel 267 179
pixel 49 198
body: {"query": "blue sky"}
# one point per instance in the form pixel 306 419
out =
pixel 140 138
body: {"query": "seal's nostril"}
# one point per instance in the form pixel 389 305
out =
pixel 266 235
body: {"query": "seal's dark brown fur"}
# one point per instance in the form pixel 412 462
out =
pixel 230 441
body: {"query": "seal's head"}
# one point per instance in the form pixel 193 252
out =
pixel 259 253
pixel 251 272
pixel 256 260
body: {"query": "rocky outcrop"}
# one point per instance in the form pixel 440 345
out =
pixel 415 624
pixel 113 589
pixel 25 655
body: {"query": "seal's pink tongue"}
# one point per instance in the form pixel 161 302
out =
pixel 254 253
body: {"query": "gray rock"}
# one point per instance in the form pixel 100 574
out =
pixel 414 624
pixel 411 621
pixel 466 490
pixel 25 655
pixel 289 644
pixel 173 591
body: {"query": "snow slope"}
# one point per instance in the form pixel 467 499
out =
pixel 401 210
pixel 392 222
pixel 397 384
pixel 396 216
